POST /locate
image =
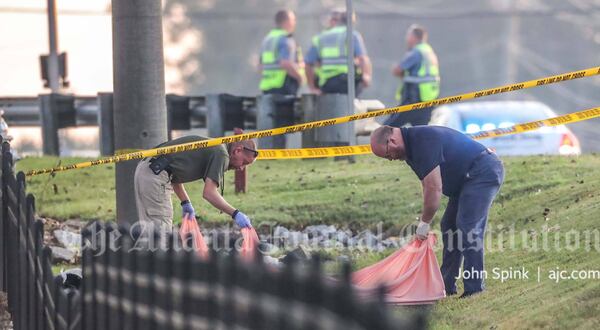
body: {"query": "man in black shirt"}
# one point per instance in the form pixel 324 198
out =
pixel 157 178
pixel 447 161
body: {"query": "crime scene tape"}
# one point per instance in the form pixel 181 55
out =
pixel 321 123
pixel 366 149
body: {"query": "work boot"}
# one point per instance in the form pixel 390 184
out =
pixel 468 294
pixel 450 293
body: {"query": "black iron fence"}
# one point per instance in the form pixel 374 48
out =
pixel 125 286
pixel 36 299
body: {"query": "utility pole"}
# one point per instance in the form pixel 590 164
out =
pixel 351 73
pixel 53 74
pixel 514 42
pixel 140 117
pixel 350 55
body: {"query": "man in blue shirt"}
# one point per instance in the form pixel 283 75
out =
pixel 281 67
pixel 326 59
pixel 447 161
pixel 419 71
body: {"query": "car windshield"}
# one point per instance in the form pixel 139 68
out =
pixel 486 116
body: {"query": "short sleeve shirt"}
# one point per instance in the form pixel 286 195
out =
pixel 313 56
pixel 411 62
pixel 430 146
pixel 286 49
pixel 197 164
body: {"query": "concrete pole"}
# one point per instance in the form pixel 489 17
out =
pixel 140 117
pixel 513 43
pixel 351 73
pixel 106 124
pixel 53 74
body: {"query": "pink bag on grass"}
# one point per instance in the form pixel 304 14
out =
pixel 412 275
pixel 249 244
pixel 190 227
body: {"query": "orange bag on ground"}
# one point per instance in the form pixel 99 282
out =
pixel 412 275
pixel 249 244
pixel 189 227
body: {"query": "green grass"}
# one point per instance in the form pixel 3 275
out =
pixel 297 193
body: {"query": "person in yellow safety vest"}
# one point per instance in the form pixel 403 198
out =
pixel 327 69
pixel 281 67
pixel 420 74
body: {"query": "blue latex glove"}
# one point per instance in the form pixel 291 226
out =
pixel 188 210
pixel 241 219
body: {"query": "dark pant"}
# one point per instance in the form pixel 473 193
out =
pixel 410 95
pixel 464 221
pixel 339 85
pixel 290 87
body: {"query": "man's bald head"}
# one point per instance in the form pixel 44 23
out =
pixel 386 142
pixel 381 135
pixel 286 19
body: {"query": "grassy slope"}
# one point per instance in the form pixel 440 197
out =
pixel 297 193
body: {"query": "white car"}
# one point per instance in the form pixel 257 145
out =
pixel 473 117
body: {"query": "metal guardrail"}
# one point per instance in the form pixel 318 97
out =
pixel 25 111
pixel 218 113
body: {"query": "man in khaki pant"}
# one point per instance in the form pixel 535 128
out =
pixel 158 177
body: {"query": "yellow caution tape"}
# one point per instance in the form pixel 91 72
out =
pixel 366 149
pixel 313 152
pixel 321 123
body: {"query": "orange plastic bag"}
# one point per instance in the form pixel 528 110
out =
pixel 249 244
pixel 189 226
pixel 412 275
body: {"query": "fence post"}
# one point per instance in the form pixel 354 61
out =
pixel 212 301
pixel 8 201
pixel 215 119
pixel 308 103
pixel 106 123
pixel 49 125
pixel 39 276
pixel 56 111
pixel 274 111
pixel 287 281
pixel 227 281
pixel 265 119
pixel 61 320
pixel 179 114
pixel 75 321
pixel 331 106
pixel 115 285
pixel 184 273
pixel 50 310
pixel 23 286
pixel 101 278
pixel 31 257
